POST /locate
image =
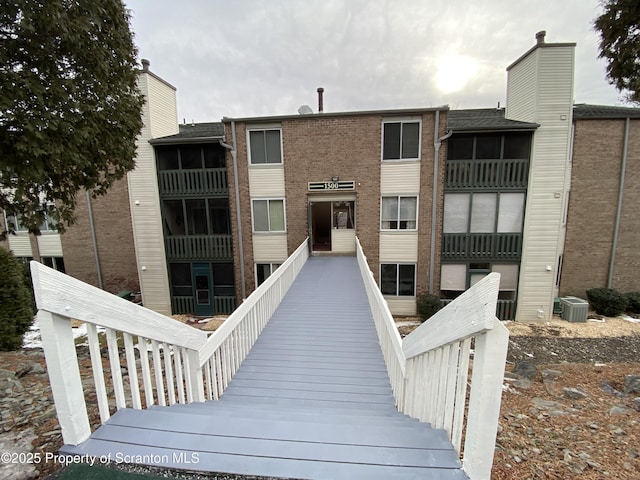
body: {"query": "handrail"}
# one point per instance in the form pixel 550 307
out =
pixel 280 279
pixel 175 363
pixel 435 363
pixel 388 334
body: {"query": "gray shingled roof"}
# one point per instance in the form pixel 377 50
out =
pixel 585 111
pixel 194 132
pixel 484 119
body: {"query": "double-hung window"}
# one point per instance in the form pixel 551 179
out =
pixel 399 213
pixel 401 140
pixel 268 215
pixel 264 271
pixel 398 279
pixel 265 147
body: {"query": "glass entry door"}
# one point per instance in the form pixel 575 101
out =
pixel 203 290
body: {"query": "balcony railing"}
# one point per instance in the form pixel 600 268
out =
pixel 194 247
pixel 210 181
pixel 486 174
pixel 186 304
pixel 505 309
pixel 489 246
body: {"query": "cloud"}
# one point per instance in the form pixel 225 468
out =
pixel 267 58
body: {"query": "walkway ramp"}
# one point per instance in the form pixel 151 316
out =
pixel 312 400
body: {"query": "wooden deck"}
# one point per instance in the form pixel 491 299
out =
pixel 312 400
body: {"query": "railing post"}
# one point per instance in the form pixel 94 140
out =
pixel 64 376
pixel 484 401
pixel 195 383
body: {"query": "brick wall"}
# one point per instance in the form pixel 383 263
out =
pixel 320 147
pixel 245 207
pixel 425 209
pixel 595 177
pixel 114 232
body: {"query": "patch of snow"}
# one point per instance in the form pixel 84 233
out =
pixel 596 320
pixel 630 319
pixel 33 339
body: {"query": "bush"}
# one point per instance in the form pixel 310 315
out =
pixel 16 312
pixel 607 301
pixel 428 305
pixel 633 302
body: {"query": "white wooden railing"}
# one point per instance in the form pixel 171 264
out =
pixel 388 334
pixel 185 365
pixel 463 345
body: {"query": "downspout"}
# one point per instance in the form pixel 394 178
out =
pixel 94 240
pixel 234 154
pixel 437 142
pixel 616 228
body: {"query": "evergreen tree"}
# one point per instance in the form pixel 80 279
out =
pixel 69 106
pixel 16 313
pixel 619 28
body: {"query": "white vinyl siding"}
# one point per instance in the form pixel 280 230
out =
pixel 20 245
pixel 540 89
pixel 399 177
pixel 343 240
pixel 162 108
pixel 159 119
pixel 50 245
pixel 270 248
pixel 401 305
pixel 398 247
pixel 267 181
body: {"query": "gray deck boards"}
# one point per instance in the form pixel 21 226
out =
pixel 311 400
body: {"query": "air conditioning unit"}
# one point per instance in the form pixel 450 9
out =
pixel 574 309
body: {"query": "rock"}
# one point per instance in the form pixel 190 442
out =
pixel 546 404
pixel 618 410
pixel 23 370
pixel 525 369
pixel 632 384
pixel 636 404
pixel 522 383
pixel 574 393
pixel 37 369
pixel 550 374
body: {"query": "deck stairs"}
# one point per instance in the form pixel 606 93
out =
pixel 311 400
pixel 308 378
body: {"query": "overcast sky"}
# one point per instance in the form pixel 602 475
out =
pixel 246 58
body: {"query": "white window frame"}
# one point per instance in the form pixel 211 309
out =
pixel 273 266
pixel 20 228
pixel 398 213
pixel 284 213
pixel 415 275
pixel 401 121
pixel 248 143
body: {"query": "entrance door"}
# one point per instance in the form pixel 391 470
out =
pixel 321 226
pixel 202 284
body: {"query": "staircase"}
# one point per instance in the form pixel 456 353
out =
pixel 311 400
pixel 307 379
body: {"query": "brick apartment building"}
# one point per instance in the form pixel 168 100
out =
pixel 543 191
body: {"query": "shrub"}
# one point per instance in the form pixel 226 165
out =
pixel 607 301
pixel 633 302
pixel 428 305
pixel 16 312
